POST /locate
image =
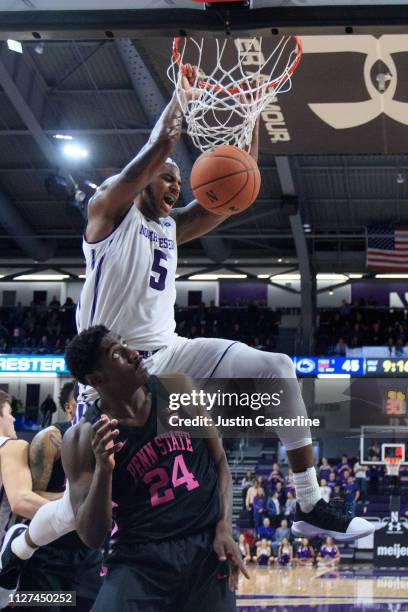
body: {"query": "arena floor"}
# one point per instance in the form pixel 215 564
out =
pixel 350 588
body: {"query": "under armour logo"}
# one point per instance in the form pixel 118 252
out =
pixel 344 115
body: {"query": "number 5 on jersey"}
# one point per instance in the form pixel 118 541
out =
pixel 158 279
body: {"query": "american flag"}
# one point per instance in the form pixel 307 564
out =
pixel 387 247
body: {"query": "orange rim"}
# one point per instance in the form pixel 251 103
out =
pixel 234 90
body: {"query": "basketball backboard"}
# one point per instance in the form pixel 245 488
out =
pixel 377 444
pixel 144 18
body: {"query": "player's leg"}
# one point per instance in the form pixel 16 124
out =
pixel 52 521
pixel 313 515
pixel 52 569
pixel 145 580
pixel 218 358
pixel 88 580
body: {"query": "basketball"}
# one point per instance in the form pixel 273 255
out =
pixel 225 180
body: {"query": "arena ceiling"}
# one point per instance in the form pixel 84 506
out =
pixel 90 87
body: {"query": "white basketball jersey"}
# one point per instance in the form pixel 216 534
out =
pixel 7 518
pixel 130 281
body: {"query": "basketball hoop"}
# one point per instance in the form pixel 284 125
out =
pixel 392 465
pixel 229 98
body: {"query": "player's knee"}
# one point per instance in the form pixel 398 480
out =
pixel 283 366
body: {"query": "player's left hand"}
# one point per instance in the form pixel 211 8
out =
pixel 189 81
pixel 227 550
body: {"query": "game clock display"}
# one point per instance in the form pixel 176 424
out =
pixel 387 367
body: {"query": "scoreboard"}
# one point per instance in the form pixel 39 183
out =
pixel 305 366
pixel 353 366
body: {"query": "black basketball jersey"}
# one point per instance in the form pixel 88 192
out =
pixel 165 485
pixel 57 478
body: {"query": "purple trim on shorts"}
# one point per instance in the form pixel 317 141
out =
pixel 93 259
pixel 222 357
pixel 97 279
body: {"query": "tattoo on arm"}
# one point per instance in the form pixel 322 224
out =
pixel 44 451
pixel 55 441
pixel 194 220
pixel 167 129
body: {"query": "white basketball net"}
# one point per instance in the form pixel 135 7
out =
pixel 392 466
pixel 228 100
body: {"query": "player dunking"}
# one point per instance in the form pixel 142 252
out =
pixel 130 246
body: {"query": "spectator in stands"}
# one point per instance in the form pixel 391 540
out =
pixel 285 553
pixel 360 475
pixel 244 548
pixel 273 508
pixel 352 495
pixel 332 481
pixel 329 554
pixel 245 484
pixel 281 494
pixel 47 408
pixel 375 473
pixel 343 465
pixel 399 347
pixel 338 493
pixel 263 553
pixel 55 303
pixel 251 492
pixel 325 490
pixel 4 333
pixel 275 476
pixel 289 483
pixel 343 477
pixel 390 346
pixel 341 348
pixel 69 304
pixel 258 507
pixel 282 532
pixel 44 346
pixel 374 450
pixel 305 553
pixel 375 337
pixel 265 530
pixel 290 506
pixel 261 480
pixel 324 469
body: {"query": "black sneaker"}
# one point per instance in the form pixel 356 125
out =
pixel 10 564
pixel 330 519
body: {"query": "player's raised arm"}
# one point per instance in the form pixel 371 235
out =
pixel 114 196
pixel 87 458
pixel 194 220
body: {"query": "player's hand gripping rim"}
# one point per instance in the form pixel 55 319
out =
pixel 229 556
pixel 190 81
pixel 103 441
